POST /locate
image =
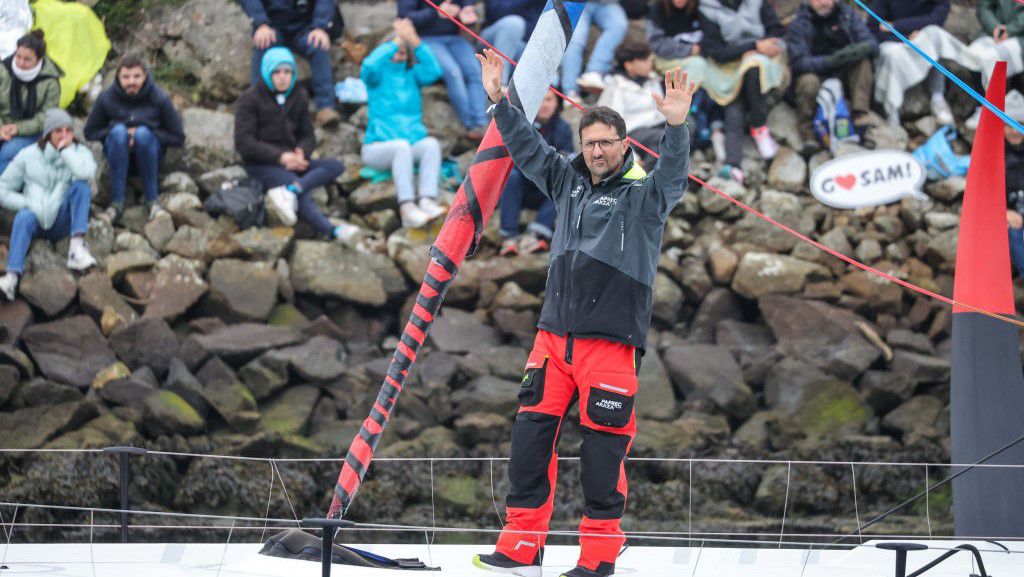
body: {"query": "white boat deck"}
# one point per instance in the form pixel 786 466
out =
pixel 178 560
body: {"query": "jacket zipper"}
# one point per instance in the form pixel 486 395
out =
pixel 572 262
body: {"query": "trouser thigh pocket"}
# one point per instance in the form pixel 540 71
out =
pixel 531 393
pixel 610 398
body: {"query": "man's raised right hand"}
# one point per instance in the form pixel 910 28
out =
pixel 491 66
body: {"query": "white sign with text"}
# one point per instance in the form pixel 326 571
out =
pixel 866 179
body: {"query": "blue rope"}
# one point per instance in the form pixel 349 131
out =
pixel 974 94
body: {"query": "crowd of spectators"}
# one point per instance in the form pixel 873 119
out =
pixel 739 51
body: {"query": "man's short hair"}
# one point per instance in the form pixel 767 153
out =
pixel 604 115
pixel 632 49
pixel 131 61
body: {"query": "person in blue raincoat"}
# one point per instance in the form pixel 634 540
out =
pixel 396 138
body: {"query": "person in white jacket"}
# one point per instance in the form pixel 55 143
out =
pixel 47 186
pixel 628 91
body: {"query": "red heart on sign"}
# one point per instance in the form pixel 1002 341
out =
pixel 847 181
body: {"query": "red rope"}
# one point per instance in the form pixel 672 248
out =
pixel 755 212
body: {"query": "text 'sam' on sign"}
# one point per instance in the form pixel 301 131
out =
pixel 867 179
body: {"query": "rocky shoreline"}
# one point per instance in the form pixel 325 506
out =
pixel 193 337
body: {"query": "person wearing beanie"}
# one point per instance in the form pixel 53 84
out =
pixel 302 26
pixel 47 186
pixel 136 121
pixel 274 136
pixel 1015 179
pixel 29 85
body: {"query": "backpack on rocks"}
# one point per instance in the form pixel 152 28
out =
pixel 240 199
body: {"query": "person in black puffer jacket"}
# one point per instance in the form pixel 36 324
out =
pixel 135 120
pixel 274 136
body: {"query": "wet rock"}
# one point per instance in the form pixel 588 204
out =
pixel 480 428
pixel 209 137
pixel 183 383
pixel 911 341
pixel 52 290
pixel 189 242
pixel 241 290
pixel 489 394
pixel 884 390
pixel 456 331
pixel 290 412
pixel 690 433
pixel 166 413
pixel 710 372
pixel 239 343
pixel 70 350
pixel 38 392
pixel 130 391
pixel 261 243
pixel 319 359
pixel 668 298
pixel 96 294
pixel 146 343
pixel 177 286
pixel 761 274
pixel 9 378
pixel 329 269
pixel 788 171
pixel 920 368
pixel 14 317
pixel 655 398
pixel 228 397
pixel 720 304
pixel 15 357
pixel 128 261
pixel 32 427
pixel 916 416
pixel 802 489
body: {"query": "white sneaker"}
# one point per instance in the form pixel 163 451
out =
pixel 346 232
pixel 156 211
pixel 766 145
pixel 941 110
pixel 282 204
pixel 718 145
pixel 591 82
pixel 80 258
pixel 430 207
pixel 8 285
pixel 412 216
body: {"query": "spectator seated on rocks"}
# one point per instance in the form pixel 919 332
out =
pixel 675 36
pixel 1015 180
pixel 521 193
pixel 746 52
pixel 628 91
pixel 507 26
pixel 827 39
pixel 455 55
pixel 300 25
pixel 609 16
pixel 47 185
pixel 899 67
pixel 396 138
pixel 136 122
pixel 274 136
pixel 29 86
pixel 1002 32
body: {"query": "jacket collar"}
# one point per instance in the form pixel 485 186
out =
pixel 630 170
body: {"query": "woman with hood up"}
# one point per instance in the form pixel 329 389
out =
pixel 396 138
pixel 274 136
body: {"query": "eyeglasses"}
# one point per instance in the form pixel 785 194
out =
pixel 603 143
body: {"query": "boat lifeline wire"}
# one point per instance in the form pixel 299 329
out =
pixel 905 284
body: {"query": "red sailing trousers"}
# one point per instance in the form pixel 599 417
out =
pixel 603 376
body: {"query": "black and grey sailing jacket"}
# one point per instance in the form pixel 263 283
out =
pixel 604 254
